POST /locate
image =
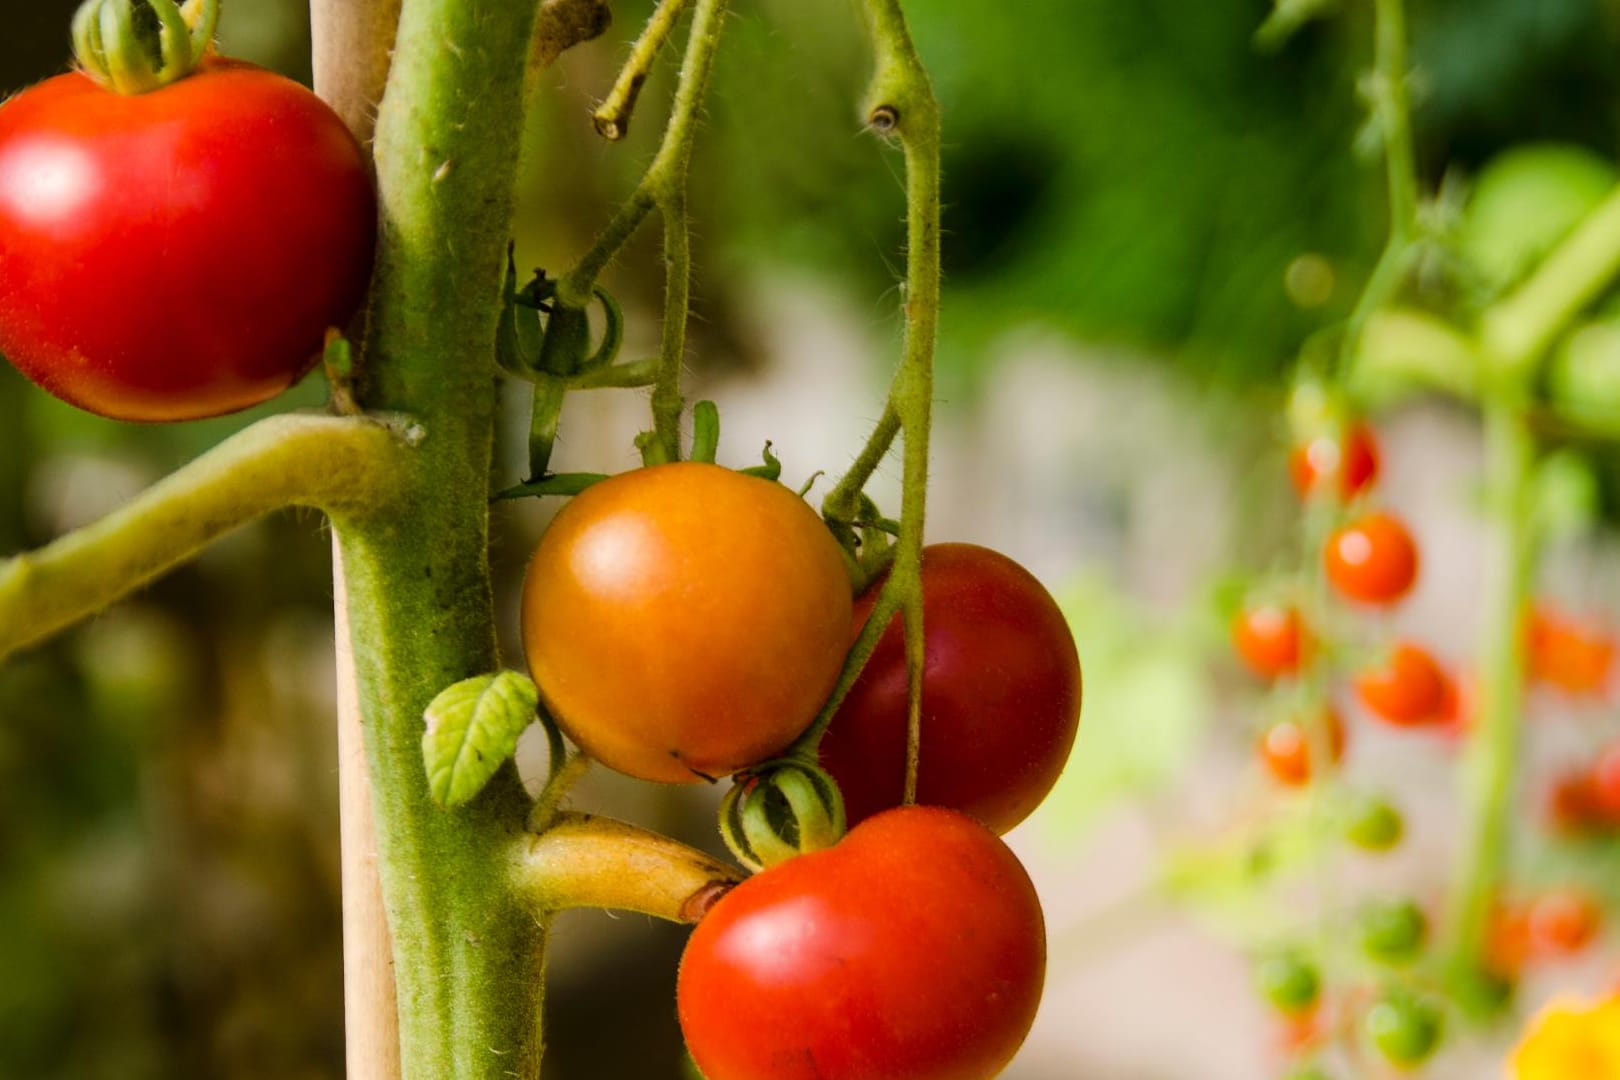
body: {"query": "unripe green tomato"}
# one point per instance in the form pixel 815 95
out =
pixel 1372 824
pixel 1289 982
pixel 1584 376
pixel 1405 1029
pixel 1525 201
pixel 1393 931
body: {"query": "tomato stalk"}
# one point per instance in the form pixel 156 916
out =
pixel 612 117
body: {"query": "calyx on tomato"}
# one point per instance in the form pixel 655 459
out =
pixel 132 46
pixel 781 809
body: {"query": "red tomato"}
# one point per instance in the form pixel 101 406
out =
pixel 1575 657
pixel 1000 696
pixel 1408 690
pixel 1271 639
pixel 1563 922
pixel 1372 560
pixel 1576 803
pixel 1322 460
pixel 685 621
pixel 913 950
pixel 1603 783
pixel 1285 748
pixel 179 253
pixel 1460 711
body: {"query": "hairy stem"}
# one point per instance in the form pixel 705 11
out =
pixel 612 117
pixel 586 861
pixel 342 465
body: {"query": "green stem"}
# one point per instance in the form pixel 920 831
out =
pixel 1493 750
pixel 468 954
pixel 612 117
pixel 843 502
pixel 342 465
pixel 901 103
pixel 666 394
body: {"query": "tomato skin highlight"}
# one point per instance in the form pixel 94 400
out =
pixel 1372 560
pixel 1410 690
pixel 1000 699
pixel 1355 466
pixel 1271 639
pixel 180 253
pixel 915 949
pixel 684 621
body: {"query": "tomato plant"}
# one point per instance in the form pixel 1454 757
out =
pixel 1404 1028
pixel 1000 695
pixel 1409 688
pixel 684 621
pixel 1372 560
pixel 1349 462
pixel 1271 639
pixel 915 948
pixel 178 253
pixel 1577 658
pixel 1290 983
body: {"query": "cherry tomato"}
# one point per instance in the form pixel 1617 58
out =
pixel 1408 690
pixel 1405 1028
pixel 1507 940
pixel 1286 748
pixel 1000 696
pixel 1373 824
pixel 1271 639
pixel 1290 983
pixel 1372 560
pixel 1393 931
pixel 1603 785
pixel 1577 658
pixel 179 253
pixel 1352 462
pixel 684 621
pixel 914 948
pixel 1579 801
pixel 1563 922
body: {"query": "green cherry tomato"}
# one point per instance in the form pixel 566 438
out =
pixel 1373 824
pixel 1393 931
pixel 1289 982
pixel 1405 1028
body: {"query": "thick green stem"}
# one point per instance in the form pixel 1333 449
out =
pixel 467 953
pixel 1493 750
pixel 342 465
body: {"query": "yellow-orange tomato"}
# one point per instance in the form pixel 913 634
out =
pixel 684 621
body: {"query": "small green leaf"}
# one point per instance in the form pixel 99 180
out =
pixel 472 728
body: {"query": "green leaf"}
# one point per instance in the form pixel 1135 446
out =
pixel 472 728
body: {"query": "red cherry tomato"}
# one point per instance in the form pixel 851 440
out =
pixel 913 949
pixel 179 253
pixel 1577 658
pixel 1271 639
pixel 1563 922
pixel 1461 707
pixel 1576 805
pixel 1372 560
pixel 1285 748
pixel 685 621
pixel 1354 463
pixel 1000 696
pixel 1603 784
pixel 1408 690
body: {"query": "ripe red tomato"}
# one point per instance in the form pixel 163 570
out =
pixel 685 621
pixel 1577 802
pixel 1000 696
pixel 1408 690
pixel 1372 560
pixel 913 949
pixel 1285 748
pixel 1603 785
pixel 179 253
pixel 1354 463
pixel 1575 657
pixel 1563 922
pixel 1271 639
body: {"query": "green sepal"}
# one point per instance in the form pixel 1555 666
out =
pixel 472 729
pixel 555 484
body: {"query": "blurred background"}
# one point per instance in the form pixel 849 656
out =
pixel 1148 213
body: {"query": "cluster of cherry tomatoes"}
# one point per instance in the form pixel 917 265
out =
pixel 685 622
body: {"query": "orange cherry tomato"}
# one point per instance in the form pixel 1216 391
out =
pixel 1576 657
pixel 1271 639
pixel 1285 748
pixel 1372 560
pixel 1352 461
pixel 685 621
pixel 1563 922
pixel 1409 689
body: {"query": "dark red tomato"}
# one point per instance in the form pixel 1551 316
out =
pixel 915 949
pixel 1603 784
pixel 1271 639
pixel 1563 922
pixel 180 253
pixel 1409 689
pixel 1372 560
pixel 1577 658
pixel 1285 748
pixel 1354 463
pixel 1000 696
pixel 1577 802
